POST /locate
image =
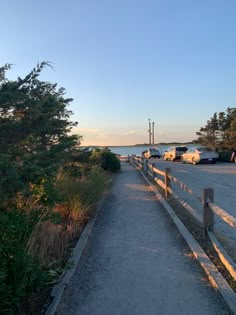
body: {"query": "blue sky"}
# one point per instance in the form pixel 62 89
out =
pixel 125 61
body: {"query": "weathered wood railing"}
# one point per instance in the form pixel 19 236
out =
pixel 209 207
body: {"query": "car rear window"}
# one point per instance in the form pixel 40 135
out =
pixel 181 149
pixel 204 149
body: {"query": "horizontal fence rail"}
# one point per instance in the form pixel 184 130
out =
pixel 207 200
pixel 225 216
pixel 223 255
pixel 185 188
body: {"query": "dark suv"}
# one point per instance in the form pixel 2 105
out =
pixel 174 153
pixel 152 152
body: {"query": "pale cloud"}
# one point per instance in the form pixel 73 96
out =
pixel 162 133
pixel 113 137
pixel 131 132
pixel 92 136
pixel 81 131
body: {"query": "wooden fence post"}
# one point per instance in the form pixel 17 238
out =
pixel 167 182
pixel 208 214
pixel 146 166
pixel 153 174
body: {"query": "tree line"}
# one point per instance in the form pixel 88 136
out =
pixel 219 132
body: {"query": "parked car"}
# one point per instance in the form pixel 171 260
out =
pixel 174 153
pixel 152 152
pixel 199 155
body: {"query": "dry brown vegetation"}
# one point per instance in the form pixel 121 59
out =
pixel 53 242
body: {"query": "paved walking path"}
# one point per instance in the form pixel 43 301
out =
pixel 136 262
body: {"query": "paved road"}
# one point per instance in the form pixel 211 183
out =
pixel 220 176
pixel 136 261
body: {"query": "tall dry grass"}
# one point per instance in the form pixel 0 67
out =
pixel 52 242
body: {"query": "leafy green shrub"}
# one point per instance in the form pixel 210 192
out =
pixel 20 273
pixel 10 181
pixel 94 185
pixel 45 192
pixel 106 159
pixel 78 193
pixel 110 162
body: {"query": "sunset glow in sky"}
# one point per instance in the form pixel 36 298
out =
pixel 125 61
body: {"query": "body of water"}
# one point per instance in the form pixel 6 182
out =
pixel 137 150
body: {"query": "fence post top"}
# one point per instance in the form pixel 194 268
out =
pixel 208 189
pixel 207 195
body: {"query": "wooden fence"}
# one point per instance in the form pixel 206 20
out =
pixel 207 200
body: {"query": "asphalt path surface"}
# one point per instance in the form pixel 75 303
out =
pixel 220 176
pixel 136 262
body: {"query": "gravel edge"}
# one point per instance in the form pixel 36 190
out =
pixel 58 289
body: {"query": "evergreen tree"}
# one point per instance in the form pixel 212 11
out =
pixel 208 134
pixel 231 130
pixel 34 127
pixel 219 132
